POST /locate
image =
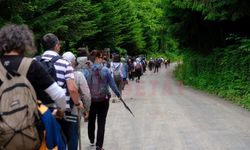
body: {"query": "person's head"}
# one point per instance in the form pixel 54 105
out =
pixel 96 56
pixel 70 57
pixel 105 59
pixel 81 52
pixel 17 38
pixel 123 60
pixel 82 62
pixel 51 42
pixel 116 58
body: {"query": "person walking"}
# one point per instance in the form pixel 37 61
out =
pixel 83 64
pixel 124 72
pixel 117 72
pixel 16 41
pixel 81 84
pixel 99 81
pixel 138 69
pixel 131 69
pixel 65 79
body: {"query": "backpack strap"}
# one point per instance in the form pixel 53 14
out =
pixel 23 69
pixel 38 58
pixel 3 72
pixel 118 66
pixel 55 58
pixel 24 65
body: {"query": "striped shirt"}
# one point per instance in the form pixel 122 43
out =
pixel 64 71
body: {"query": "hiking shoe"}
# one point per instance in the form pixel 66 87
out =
pixel 99 148
pixel 92 144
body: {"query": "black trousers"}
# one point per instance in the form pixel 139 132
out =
pixel 99 111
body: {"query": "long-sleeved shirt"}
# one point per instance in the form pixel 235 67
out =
pixel 83 87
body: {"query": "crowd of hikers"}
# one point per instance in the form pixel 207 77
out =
pixel 44 97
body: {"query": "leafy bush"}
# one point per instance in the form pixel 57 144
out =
pixel 225 72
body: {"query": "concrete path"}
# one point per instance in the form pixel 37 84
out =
pixel 170 116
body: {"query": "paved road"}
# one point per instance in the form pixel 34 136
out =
pixel 170 116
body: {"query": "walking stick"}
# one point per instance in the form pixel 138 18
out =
pixel 126 106
pixel 79 129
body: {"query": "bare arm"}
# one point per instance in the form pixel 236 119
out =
pixel 74 92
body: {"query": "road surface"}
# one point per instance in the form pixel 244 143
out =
pixel 170 116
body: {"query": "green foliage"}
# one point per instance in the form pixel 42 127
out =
pixel 216 9
pixel 204 25
pixel 150 13
pixel 159 28
pixel 131 25
pixel 225 72
pixel 131 28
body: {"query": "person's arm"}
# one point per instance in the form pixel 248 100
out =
pixel 83 85
pixel 111 83
pixel 57 94
pixel 124 71
pixel 121 70
pixel 111 70
pixel 41 80
pixel 72 88
pixel 73 92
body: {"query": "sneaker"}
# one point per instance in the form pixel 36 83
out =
pixel 99 148
pixel 92 144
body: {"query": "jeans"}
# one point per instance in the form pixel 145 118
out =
pixel 98 110
pixel 70 130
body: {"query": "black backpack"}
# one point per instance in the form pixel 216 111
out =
pixel 48 65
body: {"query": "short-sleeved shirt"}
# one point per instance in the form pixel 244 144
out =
pixel 64 71
pixel 37 76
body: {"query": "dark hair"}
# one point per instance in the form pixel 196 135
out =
pixel 116 58
pixel 49 41
pixel 17 37
pixel 95 54
pixel 81 51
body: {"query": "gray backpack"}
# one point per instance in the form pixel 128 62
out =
pixel 18 110
pixel 98 86
pixel 116 73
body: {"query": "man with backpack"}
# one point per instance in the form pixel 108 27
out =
pixel 99 81
pixel 20 78
pixel 138 69
pixel 65 79
pixel 117 72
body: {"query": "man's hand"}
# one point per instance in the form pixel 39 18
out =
pixel 86 116
pixel 80 105
pixel 119 97
pixel 58 113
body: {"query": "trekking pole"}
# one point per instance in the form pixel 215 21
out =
pixel 79 128
pixel 126 106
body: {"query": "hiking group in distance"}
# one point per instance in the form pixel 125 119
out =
pixel 44 97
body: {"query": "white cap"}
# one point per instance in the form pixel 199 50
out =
pixel 69 56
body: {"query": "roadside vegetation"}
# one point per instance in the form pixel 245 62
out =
pixel 211 38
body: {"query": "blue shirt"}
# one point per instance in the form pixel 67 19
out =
pixel 125 70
